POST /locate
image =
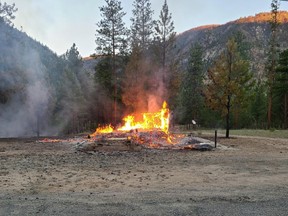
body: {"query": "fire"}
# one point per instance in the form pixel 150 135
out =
pixel 149 121
pixel 103 129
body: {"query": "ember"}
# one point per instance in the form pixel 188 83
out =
pixel 47 140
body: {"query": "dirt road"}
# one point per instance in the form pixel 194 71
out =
pixel 246 176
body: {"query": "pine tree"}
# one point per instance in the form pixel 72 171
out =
pixel 272 58
pixel 164 35
pixel 142 24
pixel 73 58
pixel 228 81
pixel 243 48
pixel 7 13
pixel 281 84
pixel 111 39
pixel 70 90
pixel 258 107
pixel 111 34
pixel 104 76
pixel 133 82
pixel 141 80
pixel 191 99
pixel 73 67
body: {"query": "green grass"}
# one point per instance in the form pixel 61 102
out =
pixel 251 132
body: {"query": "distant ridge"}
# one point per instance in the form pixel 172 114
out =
pixel 255 30
pixel 211 26
pixel 263 17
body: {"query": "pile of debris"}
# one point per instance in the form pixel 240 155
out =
pixel 138 140
pixel 135 140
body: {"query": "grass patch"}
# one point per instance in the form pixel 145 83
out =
pixel 251 132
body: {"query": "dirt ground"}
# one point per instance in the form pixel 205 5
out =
pixel 243 176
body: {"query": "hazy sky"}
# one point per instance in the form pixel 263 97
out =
pixel 60 23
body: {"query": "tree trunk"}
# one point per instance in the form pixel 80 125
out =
pixel 269 114
pixel 228 117
pixel 236 118
pixel 273 50
pixel 114 76
pixel 286 111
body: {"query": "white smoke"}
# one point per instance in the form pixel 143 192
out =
pixel 26 109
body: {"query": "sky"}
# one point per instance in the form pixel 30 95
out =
pixel 60 23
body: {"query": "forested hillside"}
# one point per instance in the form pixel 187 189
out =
pixel 40 92
pixel 254 31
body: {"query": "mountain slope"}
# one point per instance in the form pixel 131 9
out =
pixel 256 31
pixel 38 89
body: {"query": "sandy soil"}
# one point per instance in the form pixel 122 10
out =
pixel 244 176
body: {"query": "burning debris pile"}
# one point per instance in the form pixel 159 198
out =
pixel 138 140
pixel 150 131
pixel 146 121
pixel 147 129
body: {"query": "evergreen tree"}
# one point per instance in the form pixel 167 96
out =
pixel 258 107
pixel 141 78
pixel 272 58
pixel 7 13
pixel 141 82
pixel 111 39
pixel 164 35
pixel 243 48
pixel 243 45
pixel 281 84
pixel 104 91
pixel 111 36
pixel 191 99
pixel 228 81
pixel 174 83
pixel 71 95
pixel 133 82
pixel 142 24
pixel 163 44
pixel 104 76
pixel 73 58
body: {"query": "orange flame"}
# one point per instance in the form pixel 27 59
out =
pixel 103 129
pixel 150 121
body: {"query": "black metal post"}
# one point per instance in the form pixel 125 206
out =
pixel 215 140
